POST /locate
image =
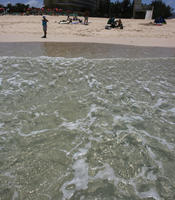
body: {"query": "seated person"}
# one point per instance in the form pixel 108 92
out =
pixel 69 19
pixel 75 18
pixel 111 22
pixel 162 20
pixel 159 20
pixel 119 24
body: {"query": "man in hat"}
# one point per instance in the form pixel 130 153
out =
pixel 44 24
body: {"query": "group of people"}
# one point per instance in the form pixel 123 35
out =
pixel 69 20
pixel 159 20
pixel 114 23
pixel 74 20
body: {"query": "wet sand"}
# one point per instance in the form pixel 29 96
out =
pixel 87 50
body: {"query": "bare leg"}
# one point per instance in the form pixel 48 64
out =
pixel 45 33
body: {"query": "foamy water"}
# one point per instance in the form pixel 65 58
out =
pixel 87 129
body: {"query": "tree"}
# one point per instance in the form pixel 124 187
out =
pixel 122 9
pixel 161 9
pixel 19 7
pixel 126 9
pixel 104 8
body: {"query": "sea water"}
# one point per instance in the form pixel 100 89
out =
pixel 87 129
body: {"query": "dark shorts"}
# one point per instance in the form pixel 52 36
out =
pixel 44 28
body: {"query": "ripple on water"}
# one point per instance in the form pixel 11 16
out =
pixel 87 128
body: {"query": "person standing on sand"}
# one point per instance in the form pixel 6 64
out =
pixel 86 18
pixel 44 24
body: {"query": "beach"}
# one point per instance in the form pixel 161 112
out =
pixel 136 32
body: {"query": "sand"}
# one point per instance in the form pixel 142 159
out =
pixel 136 32
pixel 78 49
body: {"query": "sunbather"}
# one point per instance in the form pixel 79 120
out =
pixel 67 21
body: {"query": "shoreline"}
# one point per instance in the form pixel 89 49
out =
pixel 139 42
pixel 87 50
pixel 135 33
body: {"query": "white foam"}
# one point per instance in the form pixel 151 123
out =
pixel 95 139
pixel 109 87
pixel 80 179
pixel 153 156
pixel 76 146
pixel 34 132
pixel 93 82
pixel 172 110
pixel 82 151
pixel 107 173
pixel 126 118
pixel 159 103
pixel 15 195
pixel 81 174
pixel 148 91
pixel 161 140
pixel 1 125
pixel 8 174
pixel 56 113
pixel 13 81
pixel 15 65
pixel 28 82
pixel 148 194
pixel 93 109
pixel 151 176
pixel 71 125
pixel 102 99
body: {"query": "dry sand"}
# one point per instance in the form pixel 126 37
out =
pixel 135 32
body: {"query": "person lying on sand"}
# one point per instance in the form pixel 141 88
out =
pixel 67 21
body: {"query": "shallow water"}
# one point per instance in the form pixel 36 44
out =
pixel 87 129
